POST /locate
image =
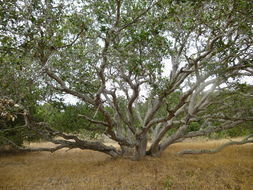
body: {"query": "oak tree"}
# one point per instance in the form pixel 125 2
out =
pixel 111 55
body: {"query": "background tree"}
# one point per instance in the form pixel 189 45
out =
pixel 111 56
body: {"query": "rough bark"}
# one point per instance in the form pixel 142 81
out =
pixel 141 146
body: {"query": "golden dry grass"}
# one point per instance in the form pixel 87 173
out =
pixel 230 169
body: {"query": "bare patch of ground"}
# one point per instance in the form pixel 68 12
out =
pixel 77 169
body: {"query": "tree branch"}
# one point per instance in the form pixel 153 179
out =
pixel 218 149
pixel 93 120
pixel 226 126
pixel 137 17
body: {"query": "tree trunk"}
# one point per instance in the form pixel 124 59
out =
pixel 140 149
pixel 127 152
pixel 154 150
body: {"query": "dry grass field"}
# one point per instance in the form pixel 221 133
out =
pixel 75 169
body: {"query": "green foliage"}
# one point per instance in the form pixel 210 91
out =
pixel 12 127
pixel 239 131
pixel 12 131
pixel 194 126
pixel 67 118
pixel 240 103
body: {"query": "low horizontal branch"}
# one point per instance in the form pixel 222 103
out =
pixel 218 149
pixel 78 143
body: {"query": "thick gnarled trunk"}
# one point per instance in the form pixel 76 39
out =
pixel 141 146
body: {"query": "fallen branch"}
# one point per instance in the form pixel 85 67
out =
pixel 218 149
